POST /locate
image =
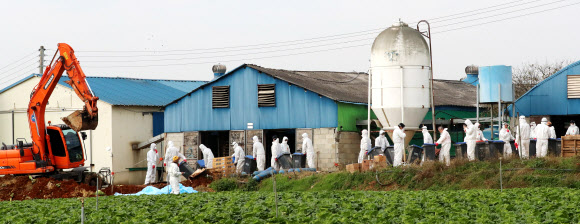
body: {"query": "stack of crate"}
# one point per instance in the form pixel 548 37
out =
pixel 223 166
pixel 353 168
pixel 379 162
pixel 570 145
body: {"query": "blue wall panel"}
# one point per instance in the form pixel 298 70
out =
pixel 550 96
pixel 295 107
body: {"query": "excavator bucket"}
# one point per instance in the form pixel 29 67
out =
pixel 80 121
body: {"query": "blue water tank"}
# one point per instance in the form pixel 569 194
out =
pixel 490 77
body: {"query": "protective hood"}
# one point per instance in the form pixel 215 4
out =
pixel 523 120
pixel 304 135
pixel 255 138
pixel 153 146
pixel 365 132
pixel 202 147
pixel 381 132
pixel 533 124
pixel 285 139
pixel 235 144
pixel 169 144
pixel 477 125
pixel 444 129
pixel 468 123
pixel 544 120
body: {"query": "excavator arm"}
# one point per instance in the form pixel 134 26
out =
pixel 86 119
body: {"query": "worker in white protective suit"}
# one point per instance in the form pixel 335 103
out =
pixel 445 142
pixel 382 141
pixel 506 137
pixel 240 156
pixel 365 145
pixel 259 153
pixel 152 159
pixel 533 130
pixel 170 152
pixel 207 156
pixel 276 149
pixel 552 130
pixel 308 149
pixel 542 134
pixel 399 142
pixel 573 129
pixel 173 173
pixel 523 138
pixel 470 139
pixel 285 146
pixel 480 136
pixel 427 139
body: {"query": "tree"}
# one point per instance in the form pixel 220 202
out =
pixel 529 75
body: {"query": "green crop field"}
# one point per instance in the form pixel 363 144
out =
pixel 526 205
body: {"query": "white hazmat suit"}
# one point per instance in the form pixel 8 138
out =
pixel 365 145
pixel 542 134
pixel 308 149
pixel 553 132
pixel 285 146
pixel 445 142
pixel 259 153
pixel 173 173
pixel 152 159
pixel 470 139
pixel 427 139
pixel 169 154
pixel 240 156
pixel 399 142
pixel 506 137
pixel 523 138
pixel 480 136
pixel 276 149
pixel 207 156
pixel 572 130
pixel 382 141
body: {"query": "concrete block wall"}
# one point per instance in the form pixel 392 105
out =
pixel 348 147
pixel 325 147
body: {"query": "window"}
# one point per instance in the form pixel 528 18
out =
pixel 220 97
pixel 573 86
pixel 267 95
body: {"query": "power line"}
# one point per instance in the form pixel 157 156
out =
pixel 508 18
pixel 494 10
pixel 11 63
pixel 308 40
pixel 18 72
pixel 16 66
pixel 207 62
pixel 489 7
pixel 503 13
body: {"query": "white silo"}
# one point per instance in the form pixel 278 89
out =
pixel 400 68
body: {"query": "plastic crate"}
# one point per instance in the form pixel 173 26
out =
pixel 298 160
pixel 285 160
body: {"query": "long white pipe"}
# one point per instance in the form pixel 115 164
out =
pixel 369 105
pixel 402 96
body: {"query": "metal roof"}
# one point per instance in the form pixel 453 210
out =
pixel 132 91
pixel 352 87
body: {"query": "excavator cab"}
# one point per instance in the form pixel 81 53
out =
pixel 66 146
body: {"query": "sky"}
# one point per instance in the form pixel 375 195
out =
pixel 183 39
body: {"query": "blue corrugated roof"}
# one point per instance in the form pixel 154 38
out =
pixel 17 82
pixel 132 91
pixel 138 92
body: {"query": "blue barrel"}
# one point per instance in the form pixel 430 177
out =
pixel 265 174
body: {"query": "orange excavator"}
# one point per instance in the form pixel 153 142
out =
pixel 55 148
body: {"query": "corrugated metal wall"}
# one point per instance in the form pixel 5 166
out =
pixel 550 96
pixel 295 107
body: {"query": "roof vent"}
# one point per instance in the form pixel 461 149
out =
pixel 219 68
pixel 472 70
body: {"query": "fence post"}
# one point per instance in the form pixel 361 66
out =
pixel 500 176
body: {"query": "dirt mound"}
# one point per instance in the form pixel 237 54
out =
pixel 24 187
pixel 200 180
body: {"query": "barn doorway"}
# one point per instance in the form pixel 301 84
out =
pixel 217 141
pixel 268 134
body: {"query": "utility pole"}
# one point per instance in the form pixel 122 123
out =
pixel 41 68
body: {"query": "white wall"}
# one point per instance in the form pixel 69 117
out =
pixel 131 125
